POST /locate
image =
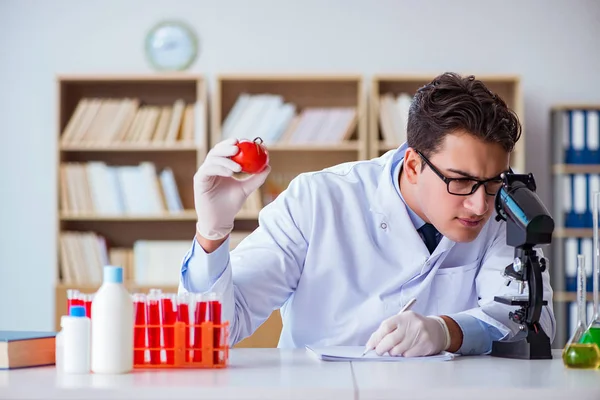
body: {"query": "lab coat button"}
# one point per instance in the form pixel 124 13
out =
pixel 383 225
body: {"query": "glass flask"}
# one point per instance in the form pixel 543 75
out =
pixel 592 333
pixel 577 354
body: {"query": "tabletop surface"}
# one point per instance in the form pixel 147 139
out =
pixel 251 374
pixel 476 377
pixel 283 373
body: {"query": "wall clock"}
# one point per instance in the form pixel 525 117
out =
pixel 171 46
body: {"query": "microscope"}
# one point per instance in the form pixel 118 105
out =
pixel 528 223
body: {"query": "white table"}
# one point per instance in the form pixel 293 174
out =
pixel 277 374
pixel 251 374
pixel 477 378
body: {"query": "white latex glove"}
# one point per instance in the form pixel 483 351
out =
pixel 218 196
pixel 411 335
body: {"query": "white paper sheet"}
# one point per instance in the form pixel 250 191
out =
pixel 354 353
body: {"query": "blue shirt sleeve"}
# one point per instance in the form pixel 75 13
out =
pixel 477 335
pixel 200 270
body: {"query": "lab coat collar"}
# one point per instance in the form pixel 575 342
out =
pixel 392 208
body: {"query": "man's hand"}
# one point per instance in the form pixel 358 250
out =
pixel 411 335
pixel 218 196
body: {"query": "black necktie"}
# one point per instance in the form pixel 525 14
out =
pixel 429 236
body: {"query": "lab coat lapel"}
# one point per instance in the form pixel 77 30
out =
pixel 390 206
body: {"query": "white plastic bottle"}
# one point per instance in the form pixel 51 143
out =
pixel 112 325
pixel 75 338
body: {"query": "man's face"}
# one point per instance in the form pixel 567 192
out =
pixel 460 218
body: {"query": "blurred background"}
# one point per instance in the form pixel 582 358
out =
pixel 99 141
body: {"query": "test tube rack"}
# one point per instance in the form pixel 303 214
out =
pixel 211 354
pixel 180 344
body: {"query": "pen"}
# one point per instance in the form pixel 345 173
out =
pixel 406 307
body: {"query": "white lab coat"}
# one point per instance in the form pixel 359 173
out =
pixel 338 253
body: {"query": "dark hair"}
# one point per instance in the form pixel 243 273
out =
pixel 450 103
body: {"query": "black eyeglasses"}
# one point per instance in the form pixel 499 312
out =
pixel 465 186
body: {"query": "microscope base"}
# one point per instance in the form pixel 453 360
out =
pixel 525 345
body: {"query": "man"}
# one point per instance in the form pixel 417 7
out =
pixel 343 249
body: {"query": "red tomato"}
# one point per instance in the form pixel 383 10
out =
pixel 253 155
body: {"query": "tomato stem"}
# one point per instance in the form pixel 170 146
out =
pixel 257 142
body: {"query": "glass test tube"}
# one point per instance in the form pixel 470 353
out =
pixel 576 354
pixel 73 299
pixel 592 334
pixel 183 315
pixel 214 301
pixel 139 341
pixel 87 302
pixel 200 316
pixel 169 317
pixel 153 313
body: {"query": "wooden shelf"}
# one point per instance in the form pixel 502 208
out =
pixel 188 215
pixel 564 297
pixel 573 232
pixel 344 146
pixel 383 147
pixel 575 106
pixel 559 169
pixel 128 284
pixel 289 158
pixel 127 147
pixel 111 102
pixel 505 85
pixel 246 215
pixel 302 90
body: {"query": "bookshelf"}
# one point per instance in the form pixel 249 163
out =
pixel 309 97
pixel 128 148
pixel 391 95
pixel 319 120
pixel 575 134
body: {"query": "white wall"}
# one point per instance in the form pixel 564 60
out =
pixel 552 44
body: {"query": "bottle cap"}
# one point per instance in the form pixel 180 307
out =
pixel 113 274
pixel 77 311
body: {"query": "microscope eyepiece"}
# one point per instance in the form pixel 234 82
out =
pixel 529 222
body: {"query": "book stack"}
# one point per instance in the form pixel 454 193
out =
pixel 150 262
pixel 116 121
pixel 97 188
pixel 21 349
pixel 393 117
pixel 269 117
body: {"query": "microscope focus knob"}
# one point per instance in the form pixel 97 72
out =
pixel 543 264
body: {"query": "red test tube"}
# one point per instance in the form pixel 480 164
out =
pixel 169 316
pixel 87 302
pixel 153 315
pixel 183 315
pixel 73 299
pixel 139 341
pixel 215 306
pixel 200 316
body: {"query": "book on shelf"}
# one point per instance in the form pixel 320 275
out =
pixel 109 121
pixel 393 117
pixel 21 349
pixel 97 188
pixel 148 263
pixel 269 117
pixel 578 132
